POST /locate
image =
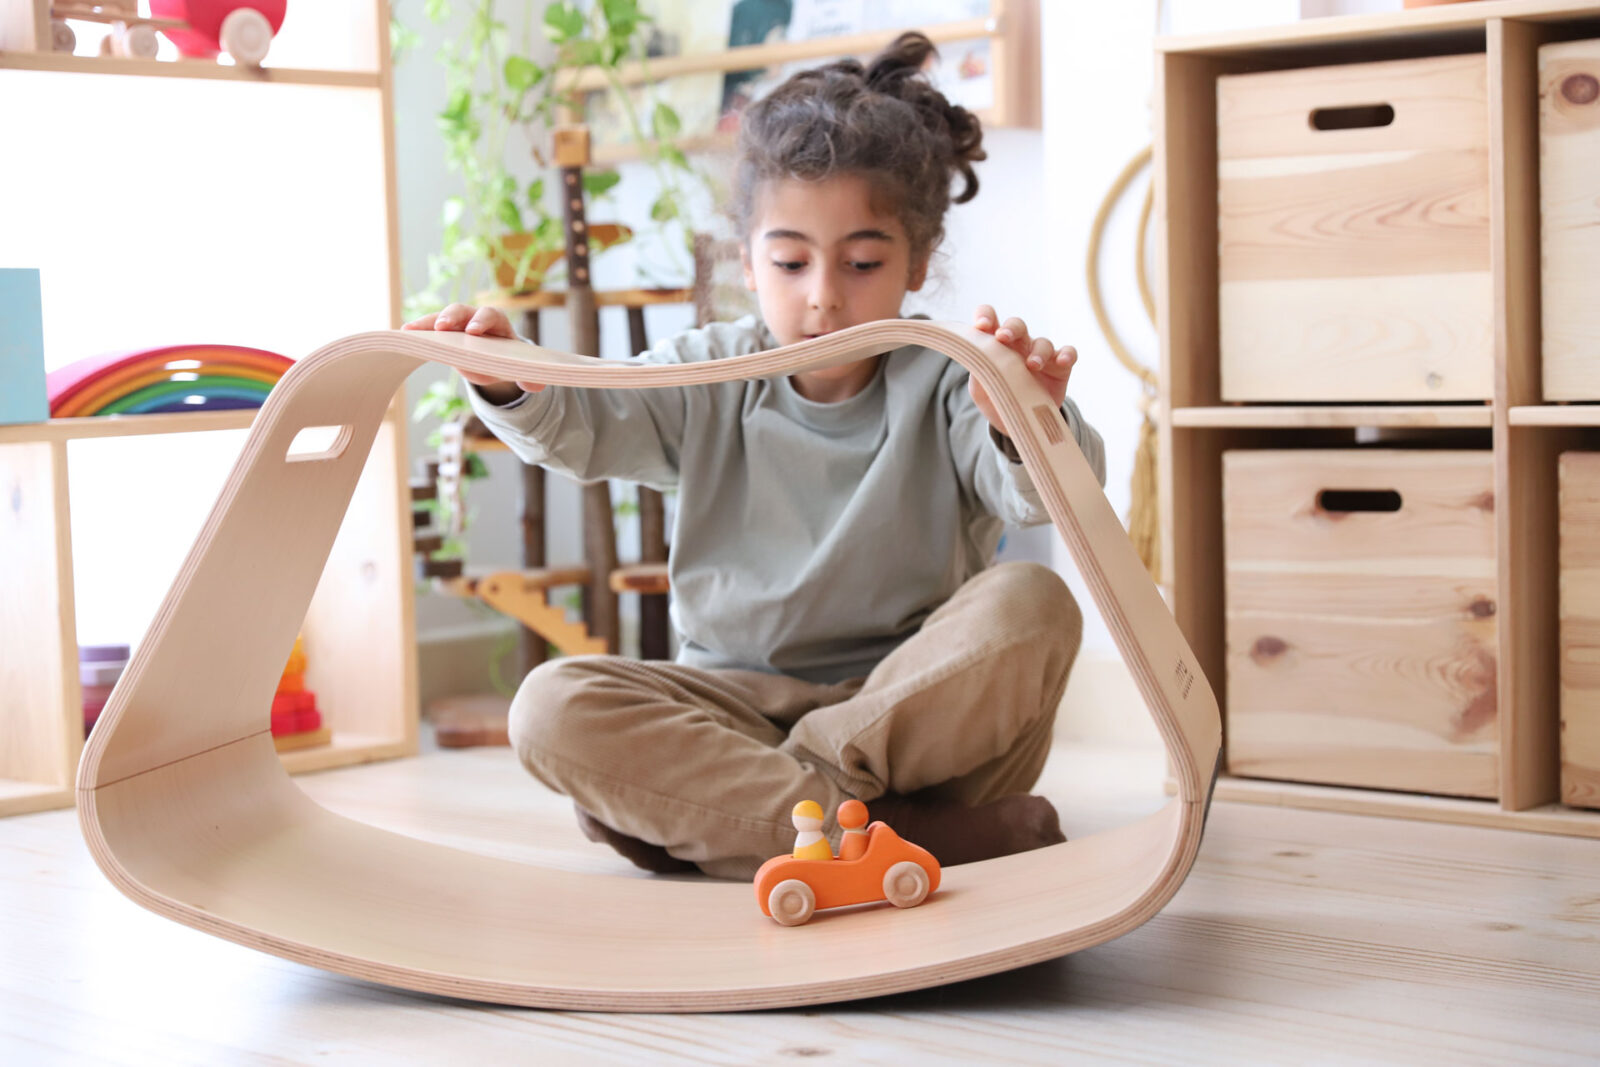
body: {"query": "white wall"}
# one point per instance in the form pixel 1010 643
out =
pixel 145 237
pixel 1097 78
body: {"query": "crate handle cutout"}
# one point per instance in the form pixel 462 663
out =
pixel 1345 500
pixel 1356 117
pixel 315 443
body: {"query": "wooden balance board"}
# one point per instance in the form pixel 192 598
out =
pixel 188 811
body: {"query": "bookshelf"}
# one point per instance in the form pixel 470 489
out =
pixel 147 234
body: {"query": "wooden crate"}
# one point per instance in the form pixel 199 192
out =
pixel 1580 628
pixel 1360 617
pixel 1354 258
pixel 1569 151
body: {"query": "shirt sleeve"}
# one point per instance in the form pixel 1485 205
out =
pixel 634 435
pixel 990 467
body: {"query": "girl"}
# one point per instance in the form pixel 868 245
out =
pixel 841 631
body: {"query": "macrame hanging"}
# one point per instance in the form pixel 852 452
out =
pixel 1144 520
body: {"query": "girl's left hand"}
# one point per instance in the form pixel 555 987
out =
pixel 1050 366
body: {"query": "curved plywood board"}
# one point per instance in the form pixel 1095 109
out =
pixel 188 811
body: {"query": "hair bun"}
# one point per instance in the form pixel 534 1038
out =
pixel 884 120
pixel 904 56
pixel 894 72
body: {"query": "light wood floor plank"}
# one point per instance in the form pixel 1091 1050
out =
pixel 1301 936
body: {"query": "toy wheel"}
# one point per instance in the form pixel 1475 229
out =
pixel 62 39
pixel 905 885
pixel 792 902
pixel 246 35
pixel 135 42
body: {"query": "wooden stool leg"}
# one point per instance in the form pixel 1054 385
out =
pixel 571 149
pixel 600 549
pixel 653 621
pixel 533 648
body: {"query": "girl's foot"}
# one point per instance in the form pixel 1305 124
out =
pixel 956 833
pixel 652 858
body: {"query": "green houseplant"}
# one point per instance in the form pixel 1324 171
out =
pixel 496 227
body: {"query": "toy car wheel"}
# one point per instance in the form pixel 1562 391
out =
pixel 62 39
pixel 246 35
pixel 135 42
pixel 791 902
pixel 905 885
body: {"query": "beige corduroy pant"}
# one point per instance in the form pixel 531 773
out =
pixel 710 763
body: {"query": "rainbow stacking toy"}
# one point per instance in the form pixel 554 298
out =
pixel 171 378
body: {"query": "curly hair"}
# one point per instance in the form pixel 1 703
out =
pixel 883 121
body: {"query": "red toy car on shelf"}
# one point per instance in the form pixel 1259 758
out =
pixel 201 29
pixel 890 868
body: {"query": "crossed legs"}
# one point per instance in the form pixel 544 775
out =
pixel 942 739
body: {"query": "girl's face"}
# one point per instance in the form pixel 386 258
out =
pixel 820 258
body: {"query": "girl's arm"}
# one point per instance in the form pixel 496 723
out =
pixel 989 465
pixel 588 434
pixel 1050 366
pixel 484 322
pixel 593 434
pixel 978 435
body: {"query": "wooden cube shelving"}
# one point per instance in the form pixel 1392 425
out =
pixel 284 232
pixel 1519 428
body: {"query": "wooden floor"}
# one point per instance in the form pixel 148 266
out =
pixel 1301 937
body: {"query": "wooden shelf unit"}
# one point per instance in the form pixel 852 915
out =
pixel 127 426
pixel 161 68
pixel 1011 29
pixel 1556 415
pixel 344 44
pixel 1546 818
pixel 358 630
pixel 1289 416
pixel 1524 433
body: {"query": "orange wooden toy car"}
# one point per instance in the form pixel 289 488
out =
pixel 888 867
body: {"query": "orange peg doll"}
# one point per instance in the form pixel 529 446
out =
pixel 853 819
pixel 809 844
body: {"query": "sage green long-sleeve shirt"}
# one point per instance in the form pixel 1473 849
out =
pixel 809 538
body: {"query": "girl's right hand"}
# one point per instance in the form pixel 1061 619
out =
pixel 483 322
